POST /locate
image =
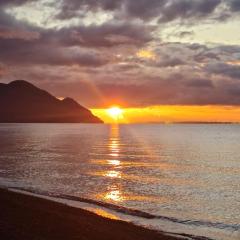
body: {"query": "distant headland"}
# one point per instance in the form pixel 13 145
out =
pixel 22 102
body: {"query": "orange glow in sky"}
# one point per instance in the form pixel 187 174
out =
pixel 146 54
pixel 169 114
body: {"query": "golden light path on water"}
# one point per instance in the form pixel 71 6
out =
pixel 114 192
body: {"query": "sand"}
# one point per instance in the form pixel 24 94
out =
pixel 24 217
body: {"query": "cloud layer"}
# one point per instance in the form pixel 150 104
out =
pixel 113 51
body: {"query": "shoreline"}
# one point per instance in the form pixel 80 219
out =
pixel 29 217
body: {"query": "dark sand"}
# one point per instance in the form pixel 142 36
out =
pixel 24 217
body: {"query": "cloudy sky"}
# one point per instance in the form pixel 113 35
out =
pixel 135 53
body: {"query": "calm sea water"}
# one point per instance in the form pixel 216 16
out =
pixel 186 177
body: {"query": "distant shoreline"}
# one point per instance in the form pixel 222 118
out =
pixel 28 217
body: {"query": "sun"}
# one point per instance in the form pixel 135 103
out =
pixel 115 112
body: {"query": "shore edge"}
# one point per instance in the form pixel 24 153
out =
pixel 29 217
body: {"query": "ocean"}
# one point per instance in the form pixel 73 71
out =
pixel 181 179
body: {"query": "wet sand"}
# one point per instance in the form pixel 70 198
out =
pixel 24 217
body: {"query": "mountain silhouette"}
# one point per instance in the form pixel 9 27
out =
pixel 22 102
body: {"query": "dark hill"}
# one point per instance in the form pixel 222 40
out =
pixel 20 101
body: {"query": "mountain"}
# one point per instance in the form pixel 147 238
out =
pixel 22 102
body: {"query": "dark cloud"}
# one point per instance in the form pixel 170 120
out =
pixel 235 5
pixel 164 10
pixel 143 9
pixel 224 69
pixel 200 83
pixel 206 56
pixel 234 91
pixel 72 45
pixel 105 35
pixel 171 91
pixel 9 33
pixel 14 2
pixel 184 34
pixel 184 9
pixel 19 52
pixel 70 8
pixel 170 62
pixel 229 49
pixel 197 46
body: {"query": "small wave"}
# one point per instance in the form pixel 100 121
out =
pixel 135 212
pixel 142 214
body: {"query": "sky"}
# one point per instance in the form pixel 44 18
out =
pixel 160 58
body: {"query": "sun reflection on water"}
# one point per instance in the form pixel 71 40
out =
pixel 114 146
pixel 115 195
pixel 111 168
pixel 114 154
pixel 113 174
pixel 114 192
pixel 114 162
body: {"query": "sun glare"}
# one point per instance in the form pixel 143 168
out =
pixel 115 112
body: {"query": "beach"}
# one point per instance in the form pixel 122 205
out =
pixel 28 217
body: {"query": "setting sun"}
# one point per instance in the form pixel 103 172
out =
pixel 115 112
